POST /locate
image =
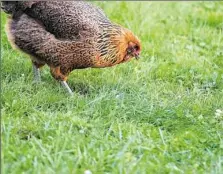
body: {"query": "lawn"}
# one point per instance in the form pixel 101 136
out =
pixel 161 114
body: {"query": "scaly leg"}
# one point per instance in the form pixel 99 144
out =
pixel 36 71
pixel 36 74
pixel 56 73
pixel 65 85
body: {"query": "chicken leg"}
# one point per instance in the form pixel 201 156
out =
pixel 36 73
pixel 36 70
pixel 66 87
pixel 56 73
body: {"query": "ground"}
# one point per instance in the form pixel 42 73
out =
pixel 161 114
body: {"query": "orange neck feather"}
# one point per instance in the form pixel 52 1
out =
pixel 122 41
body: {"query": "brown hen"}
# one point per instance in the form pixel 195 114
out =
pixel 68 35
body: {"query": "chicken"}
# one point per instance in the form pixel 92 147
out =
pixel 67 35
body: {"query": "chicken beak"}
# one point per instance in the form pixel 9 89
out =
pixel 137 56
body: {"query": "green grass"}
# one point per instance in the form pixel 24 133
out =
pixel 156 115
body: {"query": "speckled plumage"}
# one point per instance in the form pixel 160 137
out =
pixel 67 35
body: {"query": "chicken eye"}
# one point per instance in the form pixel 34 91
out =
pixel 129 50
pixel 136 47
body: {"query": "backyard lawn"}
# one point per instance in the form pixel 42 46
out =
pixel 160 114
